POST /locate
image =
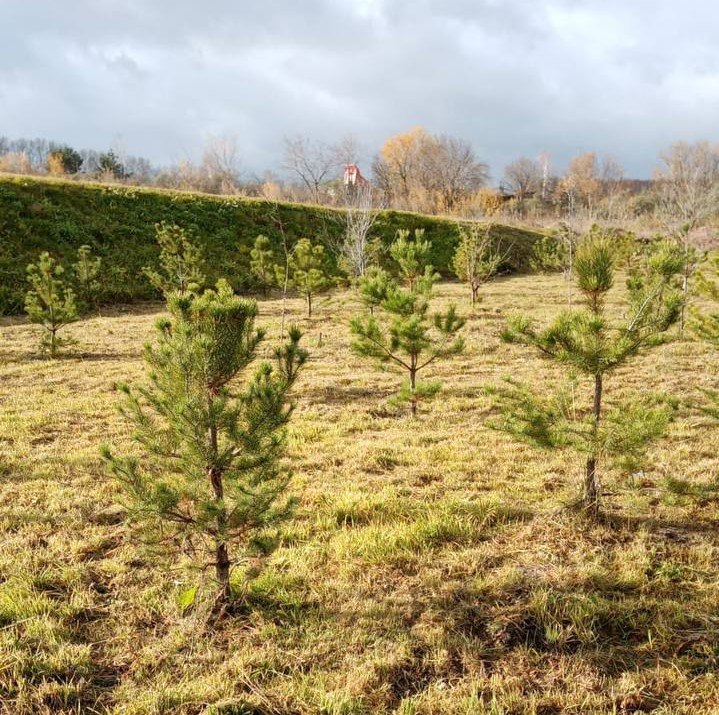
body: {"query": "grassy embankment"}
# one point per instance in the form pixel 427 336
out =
pixel 117 222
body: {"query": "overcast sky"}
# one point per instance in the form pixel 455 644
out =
pixel 515 77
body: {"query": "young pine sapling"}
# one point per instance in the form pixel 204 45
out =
pixel 181 263
pixel 307 270
pixel 50 302
pixel 210 466
pixel 589 342
pixel 706 325
pixel 405 335
pixel 262 263
pixel 87 272
pixel 412 259
pixel 374 286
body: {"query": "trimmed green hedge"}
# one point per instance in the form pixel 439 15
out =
pixel 118 223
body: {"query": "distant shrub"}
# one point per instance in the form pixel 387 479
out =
pixel 549 254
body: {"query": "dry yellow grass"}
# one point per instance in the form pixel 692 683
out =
pixel 429 568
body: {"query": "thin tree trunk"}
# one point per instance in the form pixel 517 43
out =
pixel 412 386
pixel 286 249
pixel 309 305
pixel 222 558
pixel 222 572
pixel 685 293
pixel 685 281
pixel 592 486
pixel 569 273
pixel 284 302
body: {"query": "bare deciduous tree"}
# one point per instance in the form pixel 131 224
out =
pixel 523 177
pixel 453 171
pixel 688 183
pixel 688 188
pixel 221 164
pixel 347 150
pixel 312 162
pixel 356 250
pixel 611 175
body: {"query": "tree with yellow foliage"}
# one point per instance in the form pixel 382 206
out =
pixel 426 172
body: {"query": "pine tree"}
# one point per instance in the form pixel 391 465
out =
pixel 66 159
pixel 706 326
pixel 109 163
pixel 412 258
pixel 210 467
pixel 374 287
pixel 588 342
pixel 181 264
pixel 692 258
pixel 262 263
pixel 307 270
pixel 87 270
pixel 405 335
pixel 50 302
pixel 476 259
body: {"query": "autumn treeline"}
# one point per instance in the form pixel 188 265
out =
pixel 415 171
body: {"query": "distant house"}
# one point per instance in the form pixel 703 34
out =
pixel 353 177
pixel 507 194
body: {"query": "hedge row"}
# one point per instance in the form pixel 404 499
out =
pixel 118 223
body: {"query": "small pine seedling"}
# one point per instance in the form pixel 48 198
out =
pixel 87 271
pixel 181 263
pixel 705 324
pixel 307 271
pixel 50 302
pixel 412 259
pixel 374 286
pixel 404 334
pixel 262 263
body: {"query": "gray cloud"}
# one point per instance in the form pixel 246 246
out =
pixel 514 76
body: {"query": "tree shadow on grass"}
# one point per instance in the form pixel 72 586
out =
pixel 68 357
pixel 677 530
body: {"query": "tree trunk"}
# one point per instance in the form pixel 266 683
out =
pixel 592 486
pixel 412 386
pixel 222 572
pixel 222 558
pixel 309 305
pixel 475 290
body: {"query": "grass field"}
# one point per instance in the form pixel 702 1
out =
pixel 430 567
